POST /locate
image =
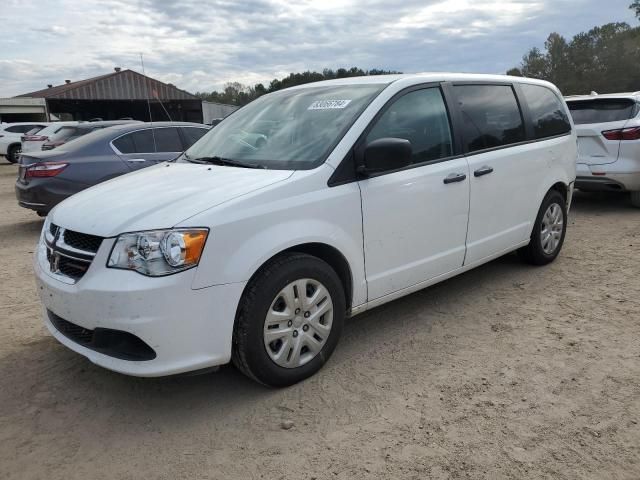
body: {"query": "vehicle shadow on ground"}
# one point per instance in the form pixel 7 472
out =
pixel 20 230
pixel 602 202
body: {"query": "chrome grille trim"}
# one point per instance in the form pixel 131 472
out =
pixel 67 263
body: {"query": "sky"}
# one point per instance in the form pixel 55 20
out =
pixel 199 45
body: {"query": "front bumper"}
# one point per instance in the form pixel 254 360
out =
pixel 187 329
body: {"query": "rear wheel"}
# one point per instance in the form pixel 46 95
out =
pixel 548 232
pixel 635 199
pixel 13 153
pixel 289 320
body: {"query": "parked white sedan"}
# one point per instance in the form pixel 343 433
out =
pixel 33 142
pixel 608 128
pixel 10 137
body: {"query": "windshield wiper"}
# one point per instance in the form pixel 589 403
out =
pixel 223 161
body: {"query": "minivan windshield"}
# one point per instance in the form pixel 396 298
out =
pixel 292 129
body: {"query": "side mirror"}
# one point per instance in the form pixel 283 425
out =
pixel 385 154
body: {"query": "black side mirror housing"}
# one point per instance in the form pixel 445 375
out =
pixel 385 154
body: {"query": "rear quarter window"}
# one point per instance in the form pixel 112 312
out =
pixel 548 115
pixel 19 128
pixel 124 144
pixel 602 110
pixel 67 132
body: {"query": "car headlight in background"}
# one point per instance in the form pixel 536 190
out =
pixel 158 252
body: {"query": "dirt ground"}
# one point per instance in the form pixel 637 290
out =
pixel 507 371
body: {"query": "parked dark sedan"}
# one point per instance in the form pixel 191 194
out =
pixel 46 178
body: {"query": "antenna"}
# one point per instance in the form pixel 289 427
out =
pixel 162 105
pixel 146 88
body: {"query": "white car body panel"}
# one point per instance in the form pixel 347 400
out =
pixel 504 204
pixel 401 207
pixel 398 232
pixel 49 131
pixel 151 199
pixel 605 164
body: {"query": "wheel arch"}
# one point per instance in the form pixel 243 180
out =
pixel 561 188
pixel 325 252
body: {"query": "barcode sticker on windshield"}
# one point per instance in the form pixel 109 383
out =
pixel 328 104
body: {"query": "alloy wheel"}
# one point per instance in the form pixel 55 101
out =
pixel 551 228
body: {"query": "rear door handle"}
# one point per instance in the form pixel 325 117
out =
pixel 486 170
pixel 454 177
pixel 136 160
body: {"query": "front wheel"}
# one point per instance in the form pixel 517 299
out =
pixel 289 320
pixel 548 232
pixel 635 199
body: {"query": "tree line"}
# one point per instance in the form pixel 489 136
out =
pixel 606 59
pixel 235 93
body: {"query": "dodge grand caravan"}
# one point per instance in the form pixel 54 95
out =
pixel 306 206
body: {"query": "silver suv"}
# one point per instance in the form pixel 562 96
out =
pixel 608 128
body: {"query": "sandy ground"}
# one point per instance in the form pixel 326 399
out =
pixel 508 371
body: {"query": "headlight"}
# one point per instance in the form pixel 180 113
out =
pixel 158 252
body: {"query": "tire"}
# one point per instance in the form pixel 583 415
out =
pixel 13 153
pixel 270 301
pixel 539 252
pixel 635 199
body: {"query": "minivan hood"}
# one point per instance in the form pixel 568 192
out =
pixel 158 197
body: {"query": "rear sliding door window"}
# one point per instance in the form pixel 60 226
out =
pixel 547 113
pixel 490 116
pixel 602 110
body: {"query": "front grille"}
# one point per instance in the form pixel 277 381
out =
pixel 82 241
pixel 115 343
pixel 70 253
pixel 69 267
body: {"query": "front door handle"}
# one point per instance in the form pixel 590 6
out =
pixel 136 160
pixel 454 177
pixel 486 170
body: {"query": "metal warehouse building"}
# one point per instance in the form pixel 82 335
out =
pixel 120 94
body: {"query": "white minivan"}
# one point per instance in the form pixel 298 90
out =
pixel 307 206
